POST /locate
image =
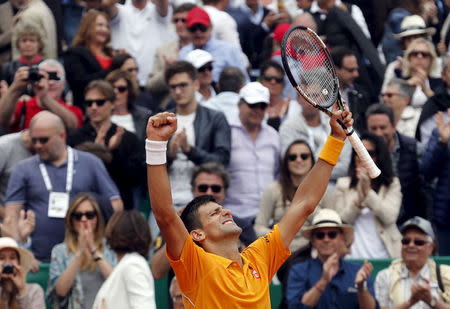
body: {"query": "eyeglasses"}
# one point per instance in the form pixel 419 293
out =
pixel 389 94
pixel 303 156
pixel 423 54
pixel 330 234
pixel 133 69
pixel 196 27
pixel 78 215
pixel 417 242
pixel 261 105
pixel 99 102
pixel 269 78
pixel 173 87
pixel 206 68
pixel 350 70
pixel 41 140
pixel 176 20
pixel 204 188
pixel 121 89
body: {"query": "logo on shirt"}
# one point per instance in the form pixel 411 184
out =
pixel 256 274
pixel 266 238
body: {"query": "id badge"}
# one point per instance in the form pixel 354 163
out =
pixel 58 203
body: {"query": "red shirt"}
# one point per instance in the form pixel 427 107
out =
pixel 105 62
pixel 32 108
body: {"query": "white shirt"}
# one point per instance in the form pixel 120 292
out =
pixel 140 32
pixel 224 27
pixel 227 103
pixel 129 286
pixel 407 123
pixel 125 121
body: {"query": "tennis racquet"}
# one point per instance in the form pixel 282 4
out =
pixel 311 71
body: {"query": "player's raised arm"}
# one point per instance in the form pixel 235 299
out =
pixel 159 130
pixel 313 187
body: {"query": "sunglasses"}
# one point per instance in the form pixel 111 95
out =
pixel 174 87
pixel 206 68
pixel 421 53
pixel 261 106
pixel 78 215
pixel 277 79
pixel 121 89
pixel 196 27
pixel 134 69
pixel 99 102
pixel 330 234
pixel 41 140
pixel 176 20
pixel 417 242
pixel 214 188
pixel 303 156
pixel 389 94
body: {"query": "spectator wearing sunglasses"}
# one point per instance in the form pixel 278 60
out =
pixel 46 181
pixel 372 206
pixel 255 158
pixel 329 281
pixel 223 53
pixel 126 166
pixel 414 280
pixel 81 263
pixel 297 162
pixel 203 62
pixel 48 87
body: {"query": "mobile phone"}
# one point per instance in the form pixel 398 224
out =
pixel 7 269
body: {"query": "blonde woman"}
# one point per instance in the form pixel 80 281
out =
pixel 82 262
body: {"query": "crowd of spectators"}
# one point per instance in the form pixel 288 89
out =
pixel 80 79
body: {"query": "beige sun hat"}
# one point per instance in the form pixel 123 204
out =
pixel 329 218
pixel 413 25
pixel 25 256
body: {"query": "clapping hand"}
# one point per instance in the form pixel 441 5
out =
pixel 442 127
pixel 363 274
pixel 330 267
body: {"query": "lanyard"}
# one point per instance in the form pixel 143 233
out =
pixel 69 178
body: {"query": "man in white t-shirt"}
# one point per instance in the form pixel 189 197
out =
pixel 203 134
pixel 139 27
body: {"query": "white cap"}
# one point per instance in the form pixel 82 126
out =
pixel 255 92
pixel 199 57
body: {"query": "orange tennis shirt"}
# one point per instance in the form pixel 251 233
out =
pixel 211 281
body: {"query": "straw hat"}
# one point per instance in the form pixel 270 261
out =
pixel 329 218
pixel 25 256
pixel 413 25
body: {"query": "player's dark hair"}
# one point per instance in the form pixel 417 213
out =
pixel 190 215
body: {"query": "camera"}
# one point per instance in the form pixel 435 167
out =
pixel 33 74
pixel 7 268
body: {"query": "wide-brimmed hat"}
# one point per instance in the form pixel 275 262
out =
pixel 413 25
pixel 329 218
pixel 25 256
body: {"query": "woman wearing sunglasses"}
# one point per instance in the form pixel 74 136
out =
pixel 371 205
pixel 82 262
pixel 297 162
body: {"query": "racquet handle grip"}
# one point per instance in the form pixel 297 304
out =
pixel 366 159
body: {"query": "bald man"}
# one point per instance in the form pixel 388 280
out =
pixel 46 182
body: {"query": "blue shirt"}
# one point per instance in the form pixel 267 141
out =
pixel 26 186
pixel 223 53
pixel 340 293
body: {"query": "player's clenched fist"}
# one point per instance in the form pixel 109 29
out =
pixel 161 126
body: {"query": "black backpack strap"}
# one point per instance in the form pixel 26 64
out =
pixel 439 278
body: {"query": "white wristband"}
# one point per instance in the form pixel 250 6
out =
pixel 155 152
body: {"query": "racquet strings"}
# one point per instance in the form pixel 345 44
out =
pixel 311 68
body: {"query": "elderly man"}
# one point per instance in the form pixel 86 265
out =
pixel 328 281
pixel 414 281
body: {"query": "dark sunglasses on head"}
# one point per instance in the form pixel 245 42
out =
pixel 417 242
pixel 196 27
pixel 176 20
pixel 121 89
pixel 78 215
pixel 303 156
pixel 99 102
pixel 41 140
pixel 261 105
pixel 421 53
pixel 206 68
pixel 331 234
pixel 214 188
pixel 269 78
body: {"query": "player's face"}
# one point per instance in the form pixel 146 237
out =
pixel 209 184
pixel 380 125
pixel 328 240
pixel 217 222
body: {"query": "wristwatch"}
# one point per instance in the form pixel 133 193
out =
pixel 433 302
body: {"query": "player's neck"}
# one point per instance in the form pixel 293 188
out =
pixel 227 248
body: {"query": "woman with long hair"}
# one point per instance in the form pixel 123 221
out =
pixel 371 205
pixel 15 292
pixel 297 162
pixel 82 262
pixel 90 56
